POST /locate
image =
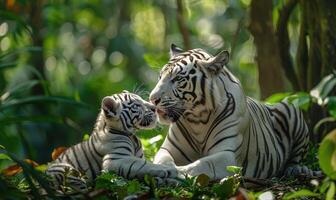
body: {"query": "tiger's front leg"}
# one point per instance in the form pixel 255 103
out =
pixel 213 166
pixel 134 167
pixel 163 157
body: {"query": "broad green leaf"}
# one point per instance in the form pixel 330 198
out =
pixel 202 180
pixel 276 98
pixel 322 90
pixel 331 192
pixel 325 185
pixel 327 155
pixel 234 169
pixel 226 188
pixel 301 100
pixel 300 193
pixel 332 106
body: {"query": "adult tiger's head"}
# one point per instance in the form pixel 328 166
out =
pixel 185 85
pixel 127 112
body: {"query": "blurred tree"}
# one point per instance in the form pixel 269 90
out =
pixel 268 57
pixel 315 55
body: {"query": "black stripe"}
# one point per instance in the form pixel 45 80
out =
pixel 176 146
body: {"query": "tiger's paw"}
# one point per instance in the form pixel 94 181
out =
pixel 164 172
pixel 301 170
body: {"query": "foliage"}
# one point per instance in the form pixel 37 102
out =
pixel 321 95
pixel 191 188
pixel 327 155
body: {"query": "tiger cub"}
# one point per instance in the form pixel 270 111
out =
pixel 112 145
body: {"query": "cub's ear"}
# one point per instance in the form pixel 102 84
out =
pixel 111 107
pixel 125 91
pixel 215 64
pixel 175 50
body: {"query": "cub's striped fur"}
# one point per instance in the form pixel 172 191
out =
pixel 214 125
pixel 112 145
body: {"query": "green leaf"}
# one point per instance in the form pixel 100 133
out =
pixel 325 185
pixel 133 186
pixel 41 168
pixel 7 65
pixel 301 100
pixel 331 192
pixel 31 174
pixel 226 188
pixel 34 118
pixel 300 193
pixel 202 180
pixel 322 90
pixel 234 169
pixel 86 137
pixel 276 98
pixel 38 99
pixel 327 155
pixel 4 156
pixel 332 106
pixel 19 88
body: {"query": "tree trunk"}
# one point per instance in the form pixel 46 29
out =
pixel 37 57
pixel 268 57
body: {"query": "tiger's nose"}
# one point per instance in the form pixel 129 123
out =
pixel 155 101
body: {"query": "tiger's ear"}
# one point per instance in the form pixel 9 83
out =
pixel 216 63
pixel 175 50
pixel 111 107
pixel 125 91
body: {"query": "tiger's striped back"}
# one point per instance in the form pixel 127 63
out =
pixel 280 136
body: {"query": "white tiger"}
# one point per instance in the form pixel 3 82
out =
pixel 214 125
pixel 112 146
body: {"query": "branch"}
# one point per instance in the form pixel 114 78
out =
pixel 284 43
pixel 181 24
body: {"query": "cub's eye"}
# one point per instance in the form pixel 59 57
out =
pixel 134 106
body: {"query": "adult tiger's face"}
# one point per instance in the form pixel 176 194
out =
pixel 185 81
pixel 129 111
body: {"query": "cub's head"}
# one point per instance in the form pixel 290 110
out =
pixel 128 112
pixel 185 82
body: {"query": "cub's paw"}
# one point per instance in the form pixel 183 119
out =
pixel 163 171
pixel 166 181
pixel 171 172
pixel 301 170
